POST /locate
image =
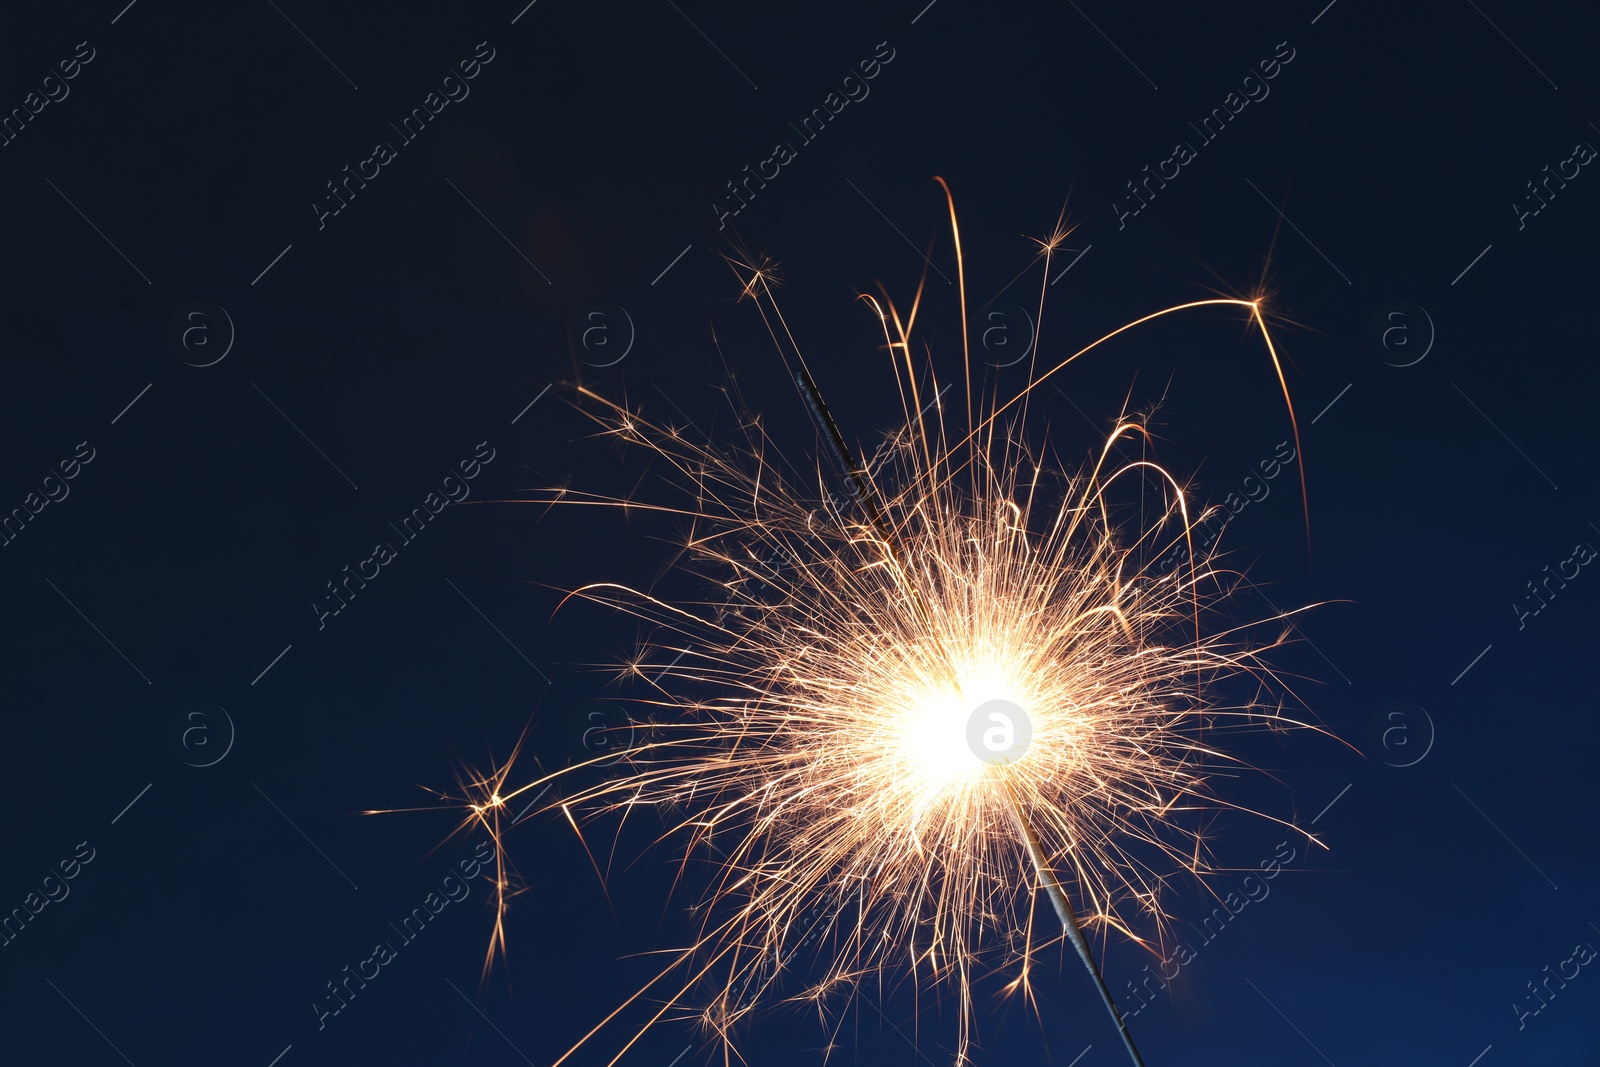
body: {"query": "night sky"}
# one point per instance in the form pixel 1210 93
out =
pixel 279 275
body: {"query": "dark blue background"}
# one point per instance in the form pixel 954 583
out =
pixel 408 330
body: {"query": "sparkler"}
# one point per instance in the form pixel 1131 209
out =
pixel 847 777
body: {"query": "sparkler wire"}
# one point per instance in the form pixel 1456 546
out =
pixel 1069 920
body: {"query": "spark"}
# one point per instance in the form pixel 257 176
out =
pixel 482 799
pixel 820 736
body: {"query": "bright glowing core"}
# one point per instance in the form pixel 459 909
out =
pixel 936 734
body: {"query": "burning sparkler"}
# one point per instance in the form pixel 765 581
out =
pixel 961 674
